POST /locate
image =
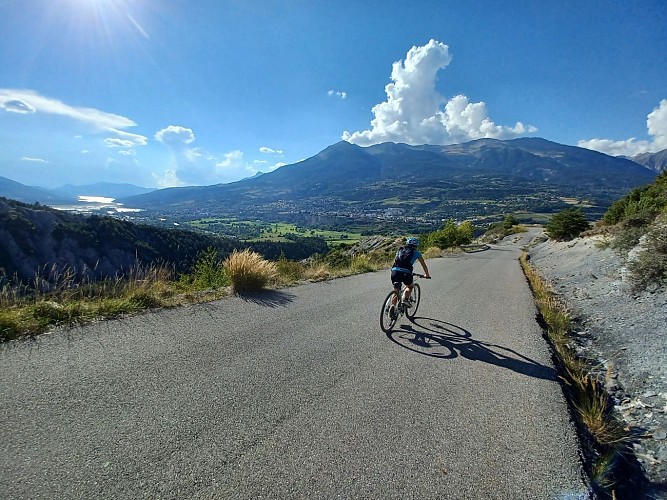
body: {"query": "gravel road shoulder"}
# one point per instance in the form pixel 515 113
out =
pixel 627 334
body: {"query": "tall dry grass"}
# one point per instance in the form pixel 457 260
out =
pixel 249 271
pixel 63 297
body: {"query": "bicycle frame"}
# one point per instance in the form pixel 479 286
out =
pixel 388 318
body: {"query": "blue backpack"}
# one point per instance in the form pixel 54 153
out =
pixel 404 258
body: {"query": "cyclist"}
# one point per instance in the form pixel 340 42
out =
pixel 401 272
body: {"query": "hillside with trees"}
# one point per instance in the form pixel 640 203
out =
pixel 36 240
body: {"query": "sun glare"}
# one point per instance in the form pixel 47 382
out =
pixel 110 21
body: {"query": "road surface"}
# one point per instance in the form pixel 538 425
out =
pixel 297 393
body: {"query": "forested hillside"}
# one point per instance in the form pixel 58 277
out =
pixel 35 239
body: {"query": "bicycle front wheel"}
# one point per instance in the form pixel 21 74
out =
pixel 387 319
pixel 415 297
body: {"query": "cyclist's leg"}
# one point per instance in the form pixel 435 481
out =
pixel 397 283
pixel 408 286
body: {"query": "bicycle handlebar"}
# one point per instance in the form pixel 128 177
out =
pixel 422 276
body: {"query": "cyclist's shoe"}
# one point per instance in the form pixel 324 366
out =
pixel 407 303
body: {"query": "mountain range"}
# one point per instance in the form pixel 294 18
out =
pixel 348 182
pixel 68 193
pixel 655 161
pixel 462 180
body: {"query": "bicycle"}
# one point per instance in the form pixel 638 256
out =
pixel 388 318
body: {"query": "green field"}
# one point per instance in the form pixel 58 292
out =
pixel 249 230
pixel 278 231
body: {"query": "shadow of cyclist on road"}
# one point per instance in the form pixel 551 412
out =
pixel 439 339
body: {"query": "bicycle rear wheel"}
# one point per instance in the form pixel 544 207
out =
pixel 415 297
pixel 388 321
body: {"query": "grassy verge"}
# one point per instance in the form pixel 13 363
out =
pixel 63 301
pixel 32 311
pixel 607 444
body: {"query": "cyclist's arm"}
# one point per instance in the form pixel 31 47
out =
pixel 423 263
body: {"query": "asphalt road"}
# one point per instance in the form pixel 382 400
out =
pixel 298 394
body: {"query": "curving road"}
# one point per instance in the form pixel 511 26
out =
pixel 298 394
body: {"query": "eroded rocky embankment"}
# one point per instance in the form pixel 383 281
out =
pixel 627 334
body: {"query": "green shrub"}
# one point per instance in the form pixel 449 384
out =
pixel 10 327
pixel 509 222
pixel 627 238
pixel 649 268
pixel 337 258
pixel 50 311
pixel 208 271
pixel 361 263
pixel 249 271
pixel 145 299
pixel 567 225
pixel 451 235
pixel 641 206
pixel 289 271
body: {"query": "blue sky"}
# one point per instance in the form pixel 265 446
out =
pixel 164 93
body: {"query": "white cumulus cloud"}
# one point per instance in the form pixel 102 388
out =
pixel 233 167
pixel 416 113
pixel 175 135
pixel 656 124
pixel 167 179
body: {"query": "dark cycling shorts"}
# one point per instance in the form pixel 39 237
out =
pixel 398 277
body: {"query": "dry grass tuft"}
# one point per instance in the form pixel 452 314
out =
pixel 317 272
pixel 249 271
pixel 432 253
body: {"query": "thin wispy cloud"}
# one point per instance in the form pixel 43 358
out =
pixel 656 124
pixel 118 143
pixel 17 106
pixel 29 101
pixel 416 113
pixel 193 154
pixel 34 160
pixel 270 151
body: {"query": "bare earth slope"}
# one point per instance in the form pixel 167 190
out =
pixel 627 334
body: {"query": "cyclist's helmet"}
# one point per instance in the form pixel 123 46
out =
pixel 412 242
